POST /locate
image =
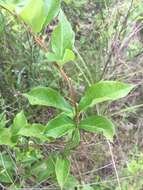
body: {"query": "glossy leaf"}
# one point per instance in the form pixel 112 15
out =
pixel 62 169
pixel 62 37
pixel 103 91
pixel 33 130
pixel 59 126
pixel 98 124
pixel 40 12
pixel 45 96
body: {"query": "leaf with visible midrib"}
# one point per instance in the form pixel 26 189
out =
pixel 40 12
pixel 62 41
pixel 59 126
pixel 62 169
pixel 103 91
pixel 45 96
pixel 33 130
pixel 99 124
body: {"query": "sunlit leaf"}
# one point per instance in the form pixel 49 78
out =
pixel 39 13
pixel 59 126
pixel 62 39
pixel 103 91
pixel 6 137
pixel 98 124
pixel 33 130
pixel 52 9
pixel 68 56
pixel 51 57
pixel 45 96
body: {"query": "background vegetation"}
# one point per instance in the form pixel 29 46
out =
pixel 109 45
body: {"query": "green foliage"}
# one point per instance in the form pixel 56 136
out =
pixel 6 169
pixel 39 13
pixel 59 126
pixel 6 137
pixel 74 141
pixel 47 97
pixel 62 169
pixel 87 187
pixel 98 124
pixel 47 167
pixel 104 91
pixel 62 42
pixel 33 130
pixel 19 122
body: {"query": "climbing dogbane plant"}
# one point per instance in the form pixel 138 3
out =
pixel 70 121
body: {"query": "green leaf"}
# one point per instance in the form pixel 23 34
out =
pixel 98 124
pixel 68 56
pixel 62 37
pixel 6 169
pixel 52 8
pixel 40 12
pixel 5 137
pixel 34 14
pixel 103 91
pixel 59 126
pixel 67 1
pixel 51 57
pixel 71 183
pixel 48 97
pixel 19 122
pixel 74 141
pixel 87 187
pixel 33 130
pixel 47 167
pixel 8 5
pixel 62 169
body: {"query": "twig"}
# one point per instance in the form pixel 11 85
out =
pixel 114 165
